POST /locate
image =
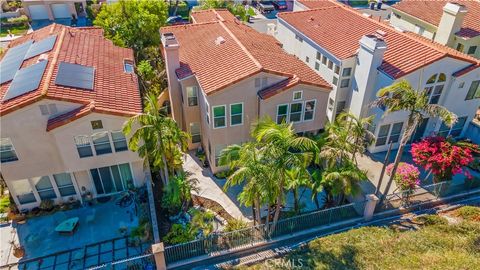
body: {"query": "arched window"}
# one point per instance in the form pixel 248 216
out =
pixel 434 87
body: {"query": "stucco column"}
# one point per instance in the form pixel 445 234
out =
pixel 158 251
pixel 370 205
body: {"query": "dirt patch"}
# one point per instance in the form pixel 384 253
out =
pixel 212 205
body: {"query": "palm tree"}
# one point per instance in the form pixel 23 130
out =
pixel 401 96
pixel 359 136
pixel 296 178
pixel 285 150
pixel 248 161
pixel 158 139
pixel 334 144
pixel 178 191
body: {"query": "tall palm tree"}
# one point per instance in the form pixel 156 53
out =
pixel 285 150
pixel 401 96
pixel 358 133
pixel 248 161
pixel 157 139
pixel 297 177
pixel 334 144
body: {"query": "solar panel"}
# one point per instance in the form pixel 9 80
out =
pixel 74 75
pixel 41 46
pixel 12 61
pixel 26 80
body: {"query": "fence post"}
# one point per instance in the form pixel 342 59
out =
pixel 158 251
pixel 370 205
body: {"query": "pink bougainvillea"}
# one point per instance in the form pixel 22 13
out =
pixel 444 157
pixel 407 176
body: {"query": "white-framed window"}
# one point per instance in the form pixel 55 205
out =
pixel 317 66
pixel 83 144
pixel 219 116
pixel 112 179
pixel 48 109
pixel 236 114
pixel 455 130
pixel 319 56
pixel 309 113
pixel 119 141
pixel 331 102
pixel 192 97
pixel 389 134
pixel 347 72
pixel 330 64
pixel 473 91
pixel 282 113
pixel 296 112
pixel 336 69
pixel 195 132
pixel 434 87
pixel 64 184
pixel 7 151
pixel 345 83
pixel 335 80
pixel 23 191
pixel 128 66
pixel 44 187
pixel 324 60
pixel 297 95
pixel 101 143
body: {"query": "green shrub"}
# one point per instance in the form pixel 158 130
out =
pixel 4 204
pixel 179 234
pixel 235 225
pixel 18 20
pixel 469 212
pixel 46 205
pixel 432 220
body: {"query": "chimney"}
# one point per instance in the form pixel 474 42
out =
pixel 369 58
pixel 450 23
pixel 171 56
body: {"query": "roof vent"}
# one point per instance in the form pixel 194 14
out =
pixel 42 57
pixel 219 40
pixel 381 33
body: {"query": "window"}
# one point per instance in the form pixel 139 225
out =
pixel 384 131
pixel 460 47
pixel 97 124
pixel 347 72
pixel 382 135
pixel 472 49
pixel 282 113
pixel 236 114
pixel 309 110
pixel 192 96
pixel 219 116
pixel 297 37
pixel 324 60
pixel 48 109
pixel 395 133
pixel 112 179
pixel 330 64
pixel 474 90
pixel 119 141
pixel 345 83
pixel 335 81
pixel 434 87
pixel 337 69
pixel 307 59
pixel 84 147
pixel 296 112
pixel 44 187
pixel 330 104
pixel 23 191
pixel 195 132
pixel 297 95
pixel 340 107
pixel 317 66
pixel 455 130
pixel 64 184
pixel 128 66
pixel 319 56
pixel 7 151
pixel 101 143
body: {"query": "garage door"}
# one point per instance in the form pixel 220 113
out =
pixel 38 12
pixel 61 11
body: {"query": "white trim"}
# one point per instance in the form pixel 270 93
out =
pixel 213 116
pixel 14 150
pixel 301 112
pixel 314 110
pixel 298 99
pixel 287 115
pixel 230 114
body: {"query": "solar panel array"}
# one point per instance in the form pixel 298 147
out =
pixel 41 46
pixel 26 80
pixel 12 61
pixel 74 75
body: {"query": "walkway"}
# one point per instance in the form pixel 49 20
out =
pixel 210 187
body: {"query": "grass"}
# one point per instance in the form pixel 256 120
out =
pixel 435 246
pixel 4 203
pixel 16 30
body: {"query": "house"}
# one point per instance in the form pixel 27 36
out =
pixel 65 94
pixel 223 76
pixel 53 9
pixel 452 23
pixel 359 55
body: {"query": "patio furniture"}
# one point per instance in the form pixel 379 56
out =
pixel 68 226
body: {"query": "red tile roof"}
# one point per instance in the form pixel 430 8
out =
pixel 211 15
pixel 239 52
pixel 70 116
pixel 312 4
pixel 338 30
pixel 431 12
pixel 278 87
pixel 114 92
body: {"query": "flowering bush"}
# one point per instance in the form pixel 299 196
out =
pixel 444 157
pixel 407 176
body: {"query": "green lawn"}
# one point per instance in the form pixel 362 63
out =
pixel 4 203
pixel 17 30
pixel 435 246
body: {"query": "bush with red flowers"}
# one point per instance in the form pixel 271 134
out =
pixel 444 157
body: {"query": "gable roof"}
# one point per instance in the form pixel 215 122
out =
pixel 312 4
pixel 114 92
pixel 211 15
pixel 431 11
pixel 222 53
pixel 339 28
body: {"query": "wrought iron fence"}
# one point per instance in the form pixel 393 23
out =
pixel 142 262
pixel 223 241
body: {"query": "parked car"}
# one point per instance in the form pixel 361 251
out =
pixel 265 6
pixel 280 5
pixel 174 20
